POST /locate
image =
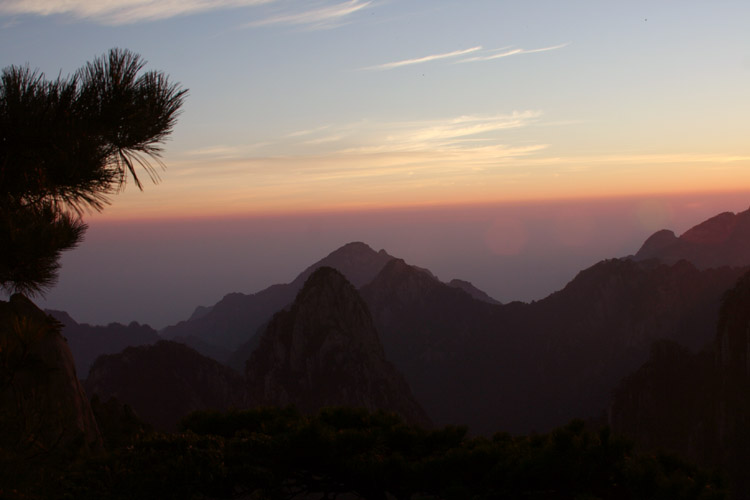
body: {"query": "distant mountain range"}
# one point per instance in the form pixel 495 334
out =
pixel 87 342
pixel 324 351
pixel 514 367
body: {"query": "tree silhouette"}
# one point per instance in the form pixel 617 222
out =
pixel 66 145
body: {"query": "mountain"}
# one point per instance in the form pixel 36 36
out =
pixel 88 342
pixel 696 404
pixel 44 411
pixel 325 351
pixel 472 290
pixel 428 330
pixel 517 367
pixel 723 240
pixel 236 318
pixel 523 367
pixel 165 381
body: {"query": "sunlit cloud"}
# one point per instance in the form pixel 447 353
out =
pixel 463 132
pixel 321 17
pixel 473 172
pixel 325 140
pixel 385 158
pixel 424 59
pixel 301 133
pixel 213 151
pixel 116 12
pixel 582 162
pixel 500 53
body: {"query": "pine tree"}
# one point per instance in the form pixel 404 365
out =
pixel 66 145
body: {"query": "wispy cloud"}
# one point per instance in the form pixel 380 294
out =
pixel 220 151
pixel 321 17
pixel 460 133
pixel 593 161
pixel 481 55
pixel 302 133
pixel 490 55
pixel 424 59
pixel 325 140
pixel 116 12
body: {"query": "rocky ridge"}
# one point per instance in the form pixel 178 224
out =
pixel 325 351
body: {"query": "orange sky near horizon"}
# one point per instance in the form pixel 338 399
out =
pixel 302 185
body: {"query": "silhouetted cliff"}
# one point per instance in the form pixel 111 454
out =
pixel 44 411
pixel 165 381
pixel 324 351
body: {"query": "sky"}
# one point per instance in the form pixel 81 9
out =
pixel 389 117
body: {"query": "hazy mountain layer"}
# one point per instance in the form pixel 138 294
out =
pixel 517 367
pixel 237 317
pixel 87 342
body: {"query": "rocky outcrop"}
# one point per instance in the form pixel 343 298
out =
pixel 43 408
pixel 165 381
pixel 324 351
pixel 722 240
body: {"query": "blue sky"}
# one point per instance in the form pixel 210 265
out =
pixel 327 105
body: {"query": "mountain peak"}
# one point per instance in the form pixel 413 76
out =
pixel 722 240
pixel 325 351
pixel 656 244
pixel 357 261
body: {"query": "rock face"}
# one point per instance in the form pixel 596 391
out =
pixel 723 240
pixel 696 404
pixel 165 381
pixel 43 408
pixel 236 318
pixel 325 351
pixel 88 342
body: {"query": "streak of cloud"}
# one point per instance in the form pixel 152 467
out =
pixel 421 60
pixel 301 133
pixel 506 52
pixel 323 17
pixel 462 132
pixel 118 12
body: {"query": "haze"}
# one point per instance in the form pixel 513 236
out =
pixel 158 271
